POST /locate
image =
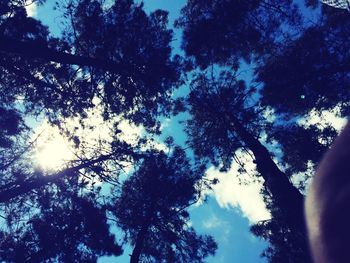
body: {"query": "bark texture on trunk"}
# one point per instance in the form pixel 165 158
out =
pixel 140 240
pixel 285 194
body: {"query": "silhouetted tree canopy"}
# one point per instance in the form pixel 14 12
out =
pixel 12 124
pixel 127 68
pixel 284 245
pixel 226 31
pixel 254 69
pixel 233 120
pixel 125 63
pixel 151 210
pixel 65 226
pixel 47 76
pixel 300 145
pixel 313 70
pixel 297 66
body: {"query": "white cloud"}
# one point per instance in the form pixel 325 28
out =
pixel 159 146
pixel 213 222
pixel 31 9
pixel 130 133
pixel 165 124
pixel 325 118
pixel 304 178
pixel 269 114
pixel 95 135
pixel 93 132
pixel 239 190
pixel 96 130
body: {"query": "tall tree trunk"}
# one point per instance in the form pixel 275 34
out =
pixel 140 240
pixel 287 197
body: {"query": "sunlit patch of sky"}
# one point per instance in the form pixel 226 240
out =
pixel 231 230
pixel 31 9
pixel 324 118
pixel 92 132
pixel 50 16
pixel 303 179
pixel 240 191
pixel 53 150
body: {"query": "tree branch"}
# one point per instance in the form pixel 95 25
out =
pixel 33 49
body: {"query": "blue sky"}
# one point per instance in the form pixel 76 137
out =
pixel 220 216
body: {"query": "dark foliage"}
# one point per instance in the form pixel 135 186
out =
pixel 131 75
pixel 126 66
pixel 139 44
pixel 311 72
pixel 226 31
pixel 118 59
pixel 151 210
pixel 284 245
pixel 67 228
pixel 11 124
pixel 300 145
pixel 225 118
pixel 213 102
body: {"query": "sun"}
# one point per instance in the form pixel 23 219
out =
pixel 52 150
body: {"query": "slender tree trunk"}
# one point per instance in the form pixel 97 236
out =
pixel 286 196
pixel 140 240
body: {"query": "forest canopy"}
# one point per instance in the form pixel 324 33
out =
pixel 106 93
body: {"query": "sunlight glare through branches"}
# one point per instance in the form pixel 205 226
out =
pixel 53 149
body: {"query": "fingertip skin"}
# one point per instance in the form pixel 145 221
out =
pixel 327 205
